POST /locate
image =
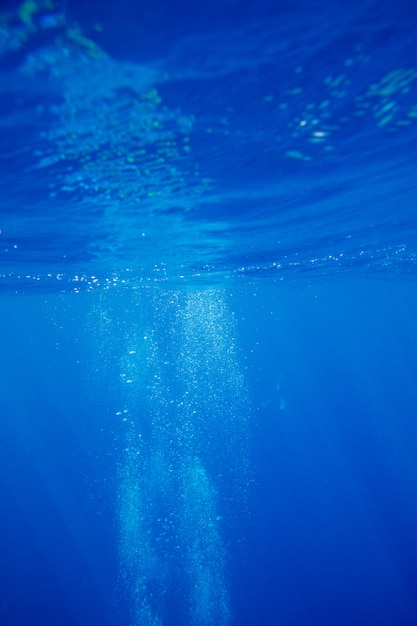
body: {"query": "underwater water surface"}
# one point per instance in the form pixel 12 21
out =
pixel 208 362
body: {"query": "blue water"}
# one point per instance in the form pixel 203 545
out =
pixel 208 355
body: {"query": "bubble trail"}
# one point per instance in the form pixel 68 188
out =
pixel 187 404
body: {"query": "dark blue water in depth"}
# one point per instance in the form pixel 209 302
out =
pixel 208 343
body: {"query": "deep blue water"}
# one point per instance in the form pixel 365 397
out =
pixel 208 357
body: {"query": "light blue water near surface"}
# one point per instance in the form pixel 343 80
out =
pixel 225 141
pixel 207 259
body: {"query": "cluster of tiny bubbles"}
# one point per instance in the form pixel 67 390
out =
pixel 146 505
pixel 184 395
pixel 205 555
pixel 215 398
pixel 122 327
